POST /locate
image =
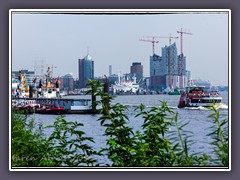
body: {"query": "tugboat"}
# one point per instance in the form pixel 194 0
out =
pixel 196 96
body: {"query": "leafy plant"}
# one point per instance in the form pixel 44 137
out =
pixel 219 134
pixel 66 146
pixel 157 122
pixel 28 146
pixel 120 140
pixel 105 98
pixel 71 146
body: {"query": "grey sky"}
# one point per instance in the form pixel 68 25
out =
pixel 61 39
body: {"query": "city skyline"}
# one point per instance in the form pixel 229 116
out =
pixel 61 39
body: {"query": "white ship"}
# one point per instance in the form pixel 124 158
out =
pixel 125 85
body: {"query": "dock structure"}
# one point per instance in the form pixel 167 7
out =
pixel 71 106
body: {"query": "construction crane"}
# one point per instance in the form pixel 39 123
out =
pixel 169 59
pixel 151 41
pixel 181 57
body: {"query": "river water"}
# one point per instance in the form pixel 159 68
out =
pixel 197 117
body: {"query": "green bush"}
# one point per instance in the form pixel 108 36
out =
pixel 29 147
pixel 66 146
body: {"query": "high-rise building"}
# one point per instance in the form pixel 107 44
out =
pixel 136 70
pixel 182 71
pixel 170 51
pixel 156 65
pixel 110 70
pixel 165 73
pixel 68 82
pixel 170 66
pixel 157 79
pixel 183 66
pixel 85 70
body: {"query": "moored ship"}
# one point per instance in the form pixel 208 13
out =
pixel 125 86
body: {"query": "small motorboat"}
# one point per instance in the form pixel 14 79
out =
pixel 196 96
pixel 50 109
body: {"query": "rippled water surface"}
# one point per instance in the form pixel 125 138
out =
pixel 198 119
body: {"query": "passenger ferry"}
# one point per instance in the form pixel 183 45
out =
pixel 196 96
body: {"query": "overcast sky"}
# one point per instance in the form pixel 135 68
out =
pixel 59 40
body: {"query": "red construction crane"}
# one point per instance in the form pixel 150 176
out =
pixel 181 57
pixel 169 59
pixel 149 40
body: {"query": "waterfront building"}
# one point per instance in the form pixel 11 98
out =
pixel 157 79
pixel 113 79
pixel 85 70
pixel 200 82
pixel 136 70
pixel 110 70
pixel 182 69
pixel 156 65
pixel 68 82
pixel 188 78
pixel 172 52
pixel 167 53
pixel 160 66
pixel 146 82
pixel 184 65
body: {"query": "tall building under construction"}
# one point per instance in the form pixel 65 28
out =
pixel 165 69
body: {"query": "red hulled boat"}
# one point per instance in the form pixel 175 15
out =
pixel 50 109
pixel 196 96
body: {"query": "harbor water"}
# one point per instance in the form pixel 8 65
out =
pixel 199 123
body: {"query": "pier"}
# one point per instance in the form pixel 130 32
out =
pixel 71 106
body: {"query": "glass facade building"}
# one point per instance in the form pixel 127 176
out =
pixel 68 82
pixel 159 68
pixel 85 70
pixel 174 59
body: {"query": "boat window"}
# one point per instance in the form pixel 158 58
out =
pixel 194 101
pixel 77 103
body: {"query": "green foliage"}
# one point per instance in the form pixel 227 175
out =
pixel 155 146
pixel 66 146
pixel 219 134
pixel 29 147
pixel 70 144
pixel 120 136
pixel 157 122
pixel 97 90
